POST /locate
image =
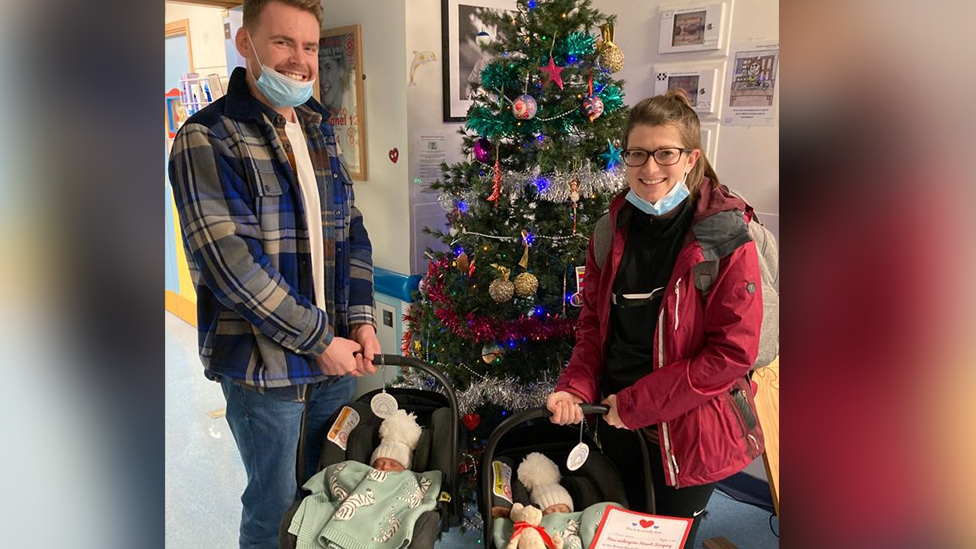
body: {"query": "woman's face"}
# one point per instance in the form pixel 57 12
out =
pixel 652 181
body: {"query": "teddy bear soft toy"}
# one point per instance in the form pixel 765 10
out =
pixel 528 534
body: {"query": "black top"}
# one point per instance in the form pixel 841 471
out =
pixel 652 247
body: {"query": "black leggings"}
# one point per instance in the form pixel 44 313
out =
pixel 618 445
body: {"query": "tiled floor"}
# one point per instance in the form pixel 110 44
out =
pixel 204 475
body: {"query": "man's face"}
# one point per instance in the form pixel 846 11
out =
pixel 331 82
pixel 284 38
pixel 388 465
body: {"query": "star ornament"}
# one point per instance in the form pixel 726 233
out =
pixel 552 71
pixel 612 156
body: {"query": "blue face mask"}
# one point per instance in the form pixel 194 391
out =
pixel 667 202
pixel 278 88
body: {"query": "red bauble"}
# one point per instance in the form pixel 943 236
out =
pixel 471 421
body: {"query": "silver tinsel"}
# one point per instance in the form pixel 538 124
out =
pixel 471 518
pixel 557 185
pixel 447 201
pixel 509 393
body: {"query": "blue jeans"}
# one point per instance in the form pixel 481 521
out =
pixel 266 428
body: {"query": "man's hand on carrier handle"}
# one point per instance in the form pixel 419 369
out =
pixel 365 335
pixel 565 408
pixel 343 356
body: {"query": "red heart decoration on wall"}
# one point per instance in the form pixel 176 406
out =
pixel 394 154
pixel 471 421
pixel 646 523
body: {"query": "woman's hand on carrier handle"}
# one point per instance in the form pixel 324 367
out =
pixel 613 416
pixel 565 408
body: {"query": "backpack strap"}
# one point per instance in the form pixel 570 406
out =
pixel 601 240
pixel 705 274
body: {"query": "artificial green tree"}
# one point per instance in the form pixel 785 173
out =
pixel 497 311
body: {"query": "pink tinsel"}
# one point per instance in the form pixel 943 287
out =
pixel 487 329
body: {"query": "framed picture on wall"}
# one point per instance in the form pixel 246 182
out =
pixel 340 90
pixel 692 27
pixel 462 35
pixel 699 82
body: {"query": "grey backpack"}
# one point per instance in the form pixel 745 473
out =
pixel 706 272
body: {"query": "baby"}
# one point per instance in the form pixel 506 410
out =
pixel 541 477
pixel 399 435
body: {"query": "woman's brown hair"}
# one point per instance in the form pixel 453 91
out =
pixel 674 109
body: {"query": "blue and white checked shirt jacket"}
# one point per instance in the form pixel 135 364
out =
pixel 243 220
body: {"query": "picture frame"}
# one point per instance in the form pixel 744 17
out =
pixel 340 90
pixel 461 54
pixel 701 83
pixel 693 27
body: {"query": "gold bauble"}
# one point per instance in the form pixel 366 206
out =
pixel 526 284
pixel 501 290
pixel 612 57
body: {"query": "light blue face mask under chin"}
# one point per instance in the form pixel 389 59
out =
pixel 278 88
pixel 667 202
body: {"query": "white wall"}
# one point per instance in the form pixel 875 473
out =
pixel 383 197
pixel 425 114
pixel 206 36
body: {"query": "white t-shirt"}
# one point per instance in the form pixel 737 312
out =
pixel 313 207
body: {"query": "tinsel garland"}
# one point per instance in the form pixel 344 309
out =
pixel 556 186
pixel 612 97
pixel 579 44
pixel 481 329
pixel 508 393
pixel 499 75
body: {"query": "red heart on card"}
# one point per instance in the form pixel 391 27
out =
pixel 646 523
pixel 394 154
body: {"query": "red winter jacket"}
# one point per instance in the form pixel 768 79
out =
pixel 702 349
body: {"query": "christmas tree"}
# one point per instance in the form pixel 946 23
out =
pixel 497 313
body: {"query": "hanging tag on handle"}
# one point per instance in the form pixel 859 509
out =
pixel 580 452
pixel 383 404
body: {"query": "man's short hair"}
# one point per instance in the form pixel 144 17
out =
pixel 253 9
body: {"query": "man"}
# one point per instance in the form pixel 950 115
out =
pixel 279 255
pixel 332 80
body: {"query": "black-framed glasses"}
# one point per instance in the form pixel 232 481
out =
pixel 665 156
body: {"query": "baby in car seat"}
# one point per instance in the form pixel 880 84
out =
pixel 541 477
pixel 354 505
pixel 399 435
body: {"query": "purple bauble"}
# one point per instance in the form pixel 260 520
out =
pixel 482 150
pixel 524 107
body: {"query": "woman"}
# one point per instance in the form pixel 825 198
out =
pixel 669 362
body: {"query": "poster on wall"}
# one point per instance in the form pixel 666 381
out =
pixel 340 90
pixel 463 34
pixel 751 92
